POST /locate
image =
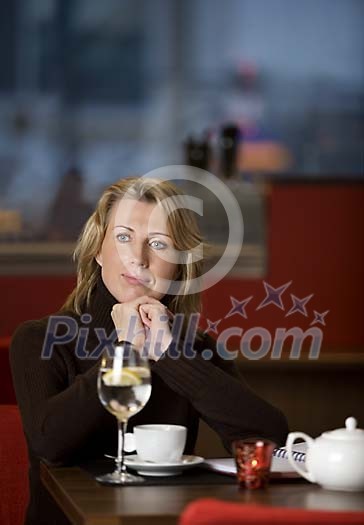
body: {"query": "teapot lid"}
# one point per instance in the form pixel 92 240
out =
pixel 349 433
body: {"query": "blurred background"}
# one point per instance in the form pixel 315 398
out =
pixel 93 91
pixel 266 94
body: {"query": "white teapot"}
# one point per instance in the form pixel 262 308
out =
pixel 335 460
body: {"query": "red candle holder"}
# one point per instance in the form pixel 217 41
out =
pixel 253 459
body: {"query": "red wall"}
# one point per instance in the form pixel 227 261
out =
pixel 31 297
pixel 316 240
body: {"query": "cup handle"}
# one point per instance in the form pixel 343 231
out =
pixel 129 443
pixel 292 436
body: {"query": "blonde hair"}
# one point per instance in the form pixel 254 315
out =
pixel 183 230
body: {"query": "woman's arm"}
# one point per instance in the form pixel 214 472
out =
pixel 223 400
pixel 60 410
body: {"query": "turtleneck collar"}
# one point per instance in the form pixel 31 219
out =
pixel 102 302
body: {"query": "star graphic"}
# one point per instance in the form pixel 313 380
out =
pixel 299 305
pixel 319 318
pixel 212 326
pixel 274 295
pixel 238 307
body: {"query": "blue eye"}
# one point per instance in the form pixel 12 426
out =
pixel 158 245
pixel 123 237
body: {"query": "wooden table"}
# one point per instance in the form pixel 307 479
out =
pixel 86 502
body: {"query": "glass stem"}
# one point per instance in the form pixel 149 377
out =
pixel 120 465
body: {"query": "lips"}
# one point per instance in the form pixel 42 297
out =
pixel 131 279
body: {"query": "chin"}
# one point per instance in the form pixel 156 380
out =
pixel 125 297
pixel 129 294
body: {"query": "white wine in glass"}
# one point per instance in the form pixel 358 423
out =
pixel 124 388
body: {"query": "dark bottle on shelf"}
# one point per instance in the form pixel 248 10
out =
pixel 229 142
pixel 197 153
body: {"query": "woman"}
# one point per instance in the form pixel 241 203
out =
pixel 137 260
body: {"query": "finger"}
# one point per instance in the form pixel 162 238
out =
pixel 153 313
pixel 169 313
pixel 124 312
pixel 153 309
pixel 144 316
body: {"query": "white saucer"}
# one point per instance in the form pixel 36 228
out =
pixel 147 468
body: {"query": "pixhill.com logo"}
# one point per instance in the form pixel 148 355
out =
pixel 258 342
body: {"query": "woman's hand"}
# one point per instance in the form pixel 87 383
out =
pixel 128 322
pixel 155 318
pixel 143 321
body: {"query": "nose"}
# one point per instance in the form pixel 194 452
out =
pixel 138 257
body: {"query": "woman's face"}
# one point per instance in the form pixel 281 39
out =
pixel 137 253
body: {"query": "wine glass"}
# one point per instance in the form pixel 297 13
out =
pixel 124 388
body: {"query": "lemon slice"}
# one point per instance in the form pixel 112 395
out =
pixel 140 371
pixel 125 377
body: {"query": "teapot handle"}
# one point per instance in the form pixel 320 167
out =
pixel 292 436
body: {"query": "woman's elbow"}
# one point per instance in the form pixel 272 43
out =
pixel 51 457
pixel 48 449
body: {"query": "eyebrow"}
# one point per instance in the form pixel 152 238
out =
pixel 122 226
pixel 150 234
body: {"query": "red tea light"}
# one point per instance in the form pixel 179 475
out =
pixel 253 459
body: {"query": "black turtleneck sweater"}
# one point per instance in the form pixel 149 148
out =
pixel 65 423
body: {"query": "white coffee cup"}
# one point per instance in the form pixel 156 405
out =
pixel 160 443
